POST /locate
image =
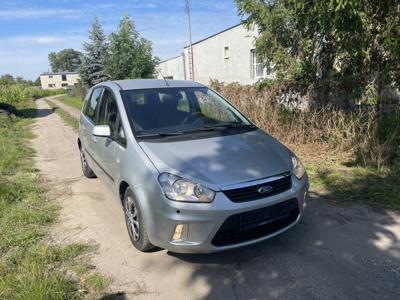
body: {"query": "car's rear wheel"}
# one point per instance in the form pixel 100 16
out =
pixel 135 223
pixel 87 171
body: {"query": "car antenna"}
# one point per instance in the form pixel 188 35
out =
pixel 166 82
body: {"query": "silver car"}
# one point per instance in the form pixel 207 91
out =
pixel 191 172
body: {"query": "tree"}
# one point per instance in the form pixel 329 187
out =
pixel 67 60
pixel 92 69
pixel 7 79
pixel 37 82
pixel 310 41
pixel 129 55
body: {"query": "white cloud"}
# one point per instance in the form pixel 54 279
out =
pixel 18 40
pixel 30 13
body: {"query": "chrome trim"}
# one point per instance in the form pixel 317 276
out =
pixel 254 182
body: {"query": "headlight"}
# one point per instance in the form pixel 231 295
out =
pixel 298 168
pixel 179 189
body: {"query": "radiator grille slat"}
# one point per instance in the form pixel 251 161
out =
pixel 251 193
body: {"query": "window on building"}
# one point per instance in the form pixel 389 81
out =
pixel 257 68
pixel 64 84
pixel 51 85
pixel 63 77
pixel 50 76
pixel 226 52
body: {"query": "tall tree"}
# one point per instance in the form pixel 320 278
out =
pixel 7 79
pixel 65 60
pixel 356 41
pixel 92 69
pixel 129 54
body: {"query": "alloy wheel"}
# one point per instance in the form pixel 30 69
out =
pixel 132 218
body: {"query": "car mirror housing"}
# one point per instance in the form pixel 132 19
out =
pixel 102 130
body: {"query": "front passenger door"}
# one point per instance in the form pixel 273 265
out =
pixel 108 147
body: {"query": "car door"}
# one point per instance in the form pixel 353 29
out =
pixel 87 123
pixel 108 148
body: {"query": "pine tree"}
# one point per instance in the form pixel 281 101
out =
pixel 129 54
pixel 92 70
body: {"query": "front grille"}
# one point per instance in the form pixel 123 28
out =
pixel 251 192
pixel 255 224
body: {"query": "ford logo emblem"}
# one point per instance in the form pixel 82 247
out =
pixel 265 189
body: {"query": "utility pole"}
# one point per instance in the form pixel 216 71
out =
pixel 191 64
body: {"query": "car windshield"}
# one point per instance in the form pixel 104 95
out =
pixel 168 111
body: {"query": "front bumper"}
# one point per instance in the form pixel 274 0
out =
pixel 201 221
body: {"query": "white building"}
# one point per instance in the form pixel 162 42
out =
pixel 228 56
pixel 58 80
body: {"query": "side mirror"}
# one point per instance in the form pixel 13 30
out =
pixel 102 130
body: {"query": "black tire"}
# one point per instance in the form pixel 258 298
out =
pixel 135 222
pixel 87 171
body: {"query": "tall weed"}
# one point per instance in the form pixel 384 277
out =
pixel 371 138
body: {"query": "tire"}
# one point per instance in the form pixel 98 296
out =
pixel 135 223
pixel 87 171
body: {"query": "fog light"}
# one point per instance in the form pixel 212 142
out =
pixel 178 232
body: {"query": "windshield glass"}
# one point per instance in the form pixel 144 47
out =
pixel 179 110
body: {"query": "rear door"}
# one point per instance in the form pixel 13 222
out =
pixel 87 123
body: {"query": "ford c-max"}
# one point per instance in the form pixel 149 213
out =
pixel 191 172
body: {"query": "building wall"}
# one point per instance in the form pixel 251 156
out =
pixel 172 68
pixel 212 61
pixel 54 80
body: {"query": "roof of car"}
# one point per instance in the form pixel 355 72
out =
pixel 136 84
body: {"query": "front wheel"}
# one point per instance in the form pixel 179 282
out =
pixel 87 171
pixel 135 223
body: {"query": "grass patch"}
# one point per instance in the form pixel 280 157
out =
pixel 72 101
pixel 68 119
pixel 340 179
pixel 30 267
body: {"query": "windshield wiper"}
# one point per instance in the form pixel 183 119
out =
pixel 158 134
pixel 229 125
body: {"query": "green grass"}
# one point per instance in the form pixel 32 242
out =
pixel 67 118
pixel 30 267
pixel 345 182
pixel 72 101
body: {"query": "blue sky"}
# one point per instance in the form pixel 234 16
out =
pixel 30 29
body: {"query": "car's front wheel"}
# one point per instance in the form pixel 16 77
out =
pixel 87 171
pixel 135 223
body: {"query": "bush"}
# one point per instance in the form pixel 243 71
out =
pixel 77 91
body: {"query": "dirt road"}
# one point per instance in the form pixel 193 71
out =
pixel 334 253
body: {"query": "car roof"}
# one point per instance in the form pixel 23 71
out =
pixel 136 84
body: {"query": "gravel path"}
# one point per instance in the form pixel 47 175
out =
pixel 69 109
pixel 334 253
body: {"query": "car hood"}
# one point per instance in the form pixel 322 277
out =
pixel 223 160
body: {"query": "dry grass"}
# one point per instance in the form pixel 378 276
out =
pixel 317 132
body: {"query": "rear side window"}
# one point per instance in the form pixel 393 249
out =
pixel 90 109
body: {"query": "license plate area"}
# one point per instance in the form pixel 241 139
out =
pixel 263 216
